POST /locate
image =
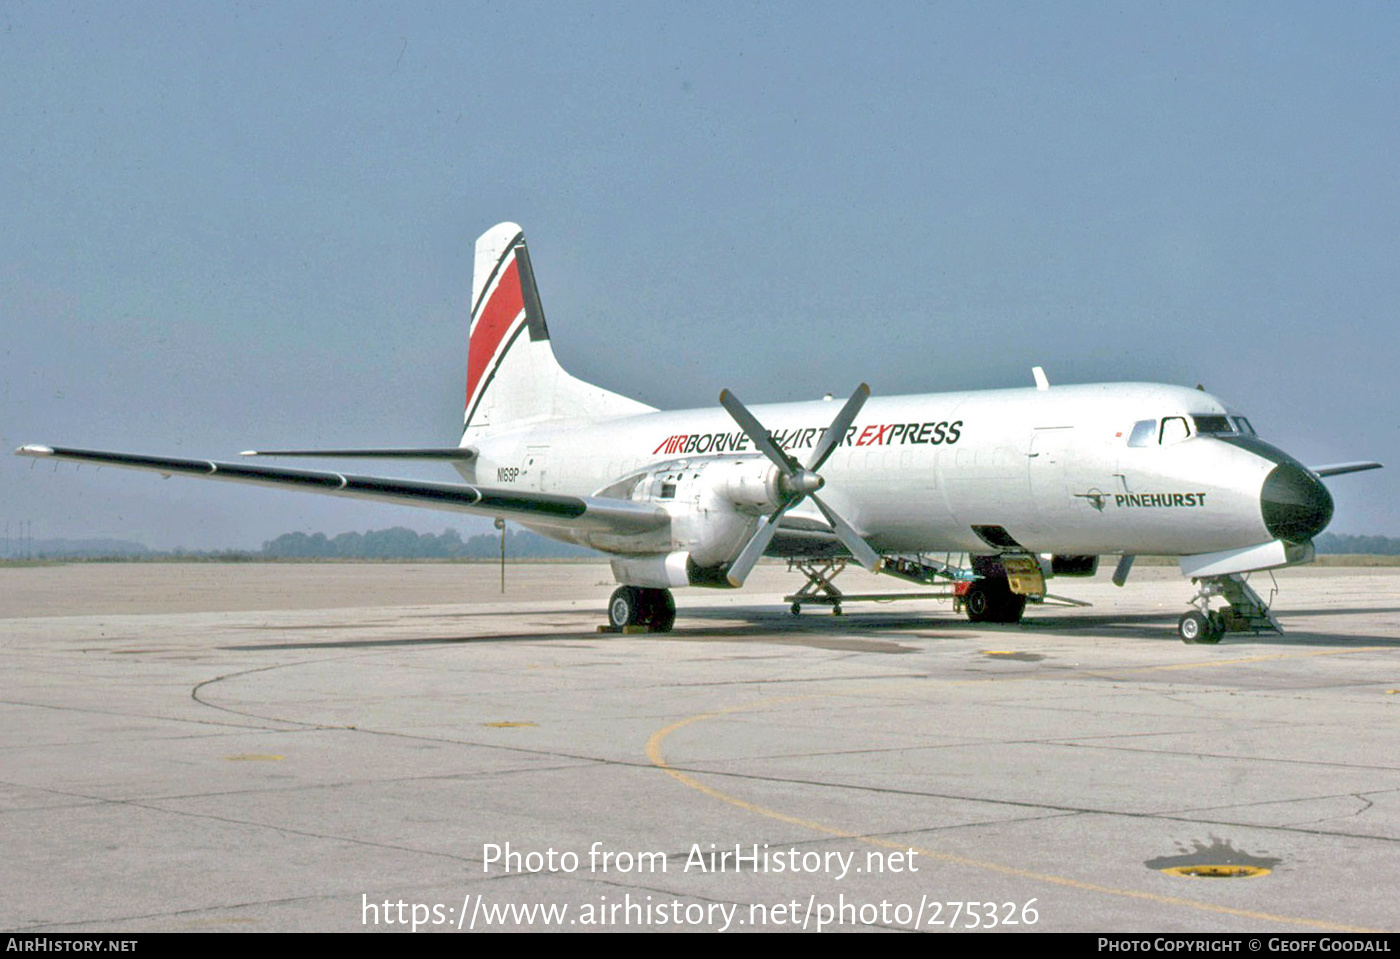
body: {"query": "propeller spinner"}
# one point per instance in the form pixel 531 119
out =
pixel 798 483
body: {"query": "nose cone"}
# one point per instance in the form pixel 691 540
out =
pixel 1296 505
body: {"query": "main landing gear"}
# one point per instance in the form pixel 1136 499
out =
pixel 995 590
pixel 990 600
pixel 1245 611
pixel 1001 589
pixel 653 609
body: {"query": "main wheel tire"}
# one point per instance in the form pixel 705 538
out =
pixel 991 601
pixel 658 609
pixel 625 607
pixel 1013 608
pixel 977 603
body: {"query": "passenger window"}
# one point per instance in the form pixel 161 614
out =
pixel 1174 430
pixel 1143 433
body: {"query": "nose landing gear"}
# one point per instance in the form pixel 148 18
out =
pixel 1246 611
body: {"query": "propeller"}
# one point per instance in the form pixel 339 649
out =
pixel 797 483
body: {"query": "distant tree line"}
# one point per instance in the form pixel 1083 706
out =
pixel 17 548
pixel 1372 545
pixel 395 543
pixel 402 543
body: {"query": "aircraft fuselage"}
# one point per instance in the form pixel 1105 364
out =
pixel 1058 470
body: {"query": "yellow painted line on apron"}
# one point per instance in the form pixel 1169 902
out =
pixel 658 759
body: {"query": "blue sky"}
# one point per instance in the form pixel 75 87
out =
pixel 248 225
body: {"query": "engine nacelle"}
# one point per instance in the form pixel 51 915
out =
pixel 1073 565
pixel 715 506
pixel 748 484
pixel 661 571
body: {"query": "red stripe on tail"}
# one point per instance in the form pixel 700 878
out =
pixel 497 317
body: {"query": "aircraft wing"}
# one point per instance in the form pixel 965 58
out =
pixel 536 509
pixel 1337 469
pixel 458 453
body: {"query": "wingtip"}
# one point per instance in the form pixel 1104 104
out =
pixel 33 450
pixel 249 453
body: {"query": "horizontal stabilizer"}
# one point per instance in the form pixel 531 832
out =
pixel 620 517
pixel 458 453
pixel 1337 469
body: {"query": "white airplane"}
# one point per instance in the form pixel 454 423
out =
pixel 1029 483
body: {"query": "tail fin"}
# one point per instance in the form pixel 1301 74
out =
pixel 513 378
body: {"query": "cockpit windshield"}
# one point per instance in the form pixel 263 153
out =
pixel 1211 424
pixel 1174 429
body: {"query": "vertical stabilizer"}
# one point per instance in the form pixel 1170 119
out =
pixel 513 378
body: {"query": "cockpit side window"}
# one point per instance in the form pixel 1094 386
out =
pixel 1144 433
pixel 1174 430
pixel 1243 426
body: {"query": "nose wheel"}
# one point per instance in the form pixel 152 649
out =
pixel 1196 627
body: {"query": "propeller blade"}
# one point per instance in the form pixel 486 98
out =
pixel 754 430
pixel 852 540
pixel 798 483
pixel 836 432
pixel 744 563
